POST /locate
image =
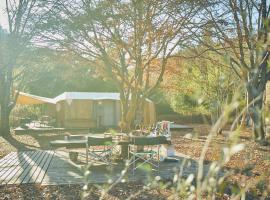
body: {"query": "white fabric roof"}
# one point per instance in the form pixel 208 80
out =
pixel 89 95
pixel 25 98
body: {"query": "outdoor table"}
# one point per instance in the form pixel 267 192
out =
pixel 71 143
pixel 124 143
pixel 80 141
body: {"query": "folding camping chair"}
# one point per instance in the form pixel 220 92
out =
pixel 149 154
pixel 99 149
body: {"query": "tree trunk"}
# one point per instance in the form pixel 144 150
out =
pixel 5 103
pixel 258 128
pixel 256 88
pixel 256 112
pixel 128 114
pixel 243 120
pixel 4 122
pixel 127 111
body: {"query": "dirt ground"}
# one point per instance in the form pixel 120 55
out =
pixel 250 167
pixel 74 192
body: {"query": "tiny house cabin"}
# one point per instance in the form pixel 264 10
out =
pixel 86 109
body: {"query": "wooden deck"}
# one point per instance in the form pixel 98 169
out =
pixel 55 168
pixel 25 167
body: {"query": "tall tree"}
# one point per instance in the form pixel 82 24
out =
pixel 240 33
pixel 129 41
pixel 202 85
pixel 64 71
pixel 22 18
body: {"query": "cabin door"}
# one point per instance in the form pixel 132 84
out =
pixel 109 113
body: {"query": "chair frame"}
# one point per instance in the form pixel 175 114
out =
pixel 148 155
pixel 99 155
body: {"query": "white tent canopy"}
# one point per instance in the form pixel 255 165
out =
pixel 29 99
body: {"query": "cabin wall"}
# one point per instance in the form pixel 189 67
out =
pixel 106 113
pixel 118 112
pixel 92 114
pixel 50 110
pixel 78 114
pixel 60 114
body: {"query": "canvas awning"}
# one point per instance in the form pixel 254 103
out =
pixel 29 99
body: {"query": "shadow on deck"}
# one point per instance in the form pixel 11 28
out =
pixel 55 168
